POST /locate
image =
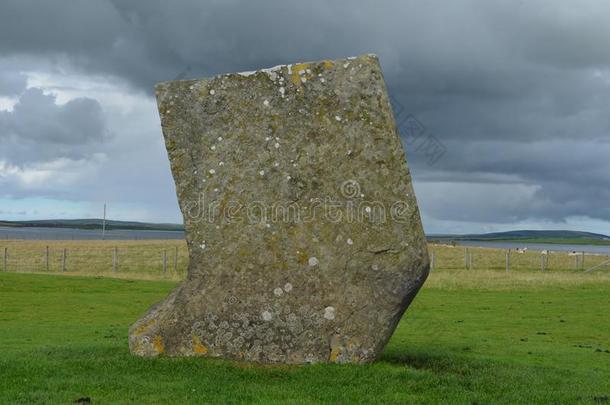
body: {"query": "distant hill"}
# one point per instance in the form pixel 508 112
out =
pixel 531 236
pixel 521 235
pixel 525 234
pixel 92 224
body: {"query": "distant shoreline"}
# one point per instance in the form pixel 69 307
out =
pixel 550 241
pixel 89 227
pixel 92 224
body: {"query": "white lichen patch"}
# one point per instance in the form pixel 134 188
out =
pixel 375 267
pixel 350 241
pixel 313 261
pixel 262 172
pixel 329 313
pixel 277 145
pixel 266 103
pixel 269 71
pixel 287 287
pixel 367 210
pixel 337 118
pixel 212 92
pixel 278 292
pixel 267 316
pixel 202 246
pixel 211 171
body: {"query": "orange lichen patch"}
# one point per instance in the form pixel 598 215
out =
pixel 295 77
pixel 137 348
pixel 198 347
pixel 158 344
pixel 328 64
pixel 334 353
pixel 142 328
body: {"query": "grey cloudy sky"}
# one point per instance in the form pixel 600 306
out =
pixel 517 92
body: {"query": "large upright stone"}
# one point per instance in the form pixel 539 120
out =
pixel 304 235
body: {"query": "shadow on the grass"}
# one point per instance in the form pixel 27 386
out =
pixel 440 363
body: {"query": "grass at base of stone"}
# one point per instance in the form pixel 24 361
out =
pixel 65 338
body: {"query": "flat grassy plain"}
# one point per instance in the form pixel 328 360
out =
pixel 144 259
pixel 482 336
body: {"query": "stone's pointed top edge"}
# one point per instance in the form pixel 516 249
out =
pixel 279 67
pixel 159 86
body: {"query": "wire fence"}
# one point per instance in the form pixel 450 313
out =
pixel 169 258
pixel 165 259
pixel 472 258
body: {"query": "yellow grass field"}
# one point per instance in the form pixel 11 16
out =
pixel 145 260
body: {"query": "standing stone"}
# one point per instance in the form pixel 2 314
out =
pixel 304 235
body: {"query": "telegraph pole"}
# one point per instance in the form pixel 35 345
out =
pixel 104 224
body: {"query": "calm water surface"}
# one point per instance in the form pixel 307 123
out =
pixel 84 234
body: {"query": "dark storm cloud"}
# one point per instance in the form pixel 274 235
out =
pixel 38 129
pixel 518 92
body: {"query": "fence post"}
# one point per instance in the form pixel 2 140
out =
pixel 466 253
pixel 176 260
pixel 432 260
pixel 541 262
pixel 164 261
pixel 46 258
pixel 63 260
pixel 469 260
pixel 582 261
pixel 114 259
pixel 575 262
pixel 5 259
pixel 508 260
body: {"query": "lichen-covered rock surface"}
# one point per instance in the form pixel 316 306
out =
pixel 304 235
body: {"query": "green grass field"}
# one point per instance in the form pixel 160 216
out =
pixel 483 337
